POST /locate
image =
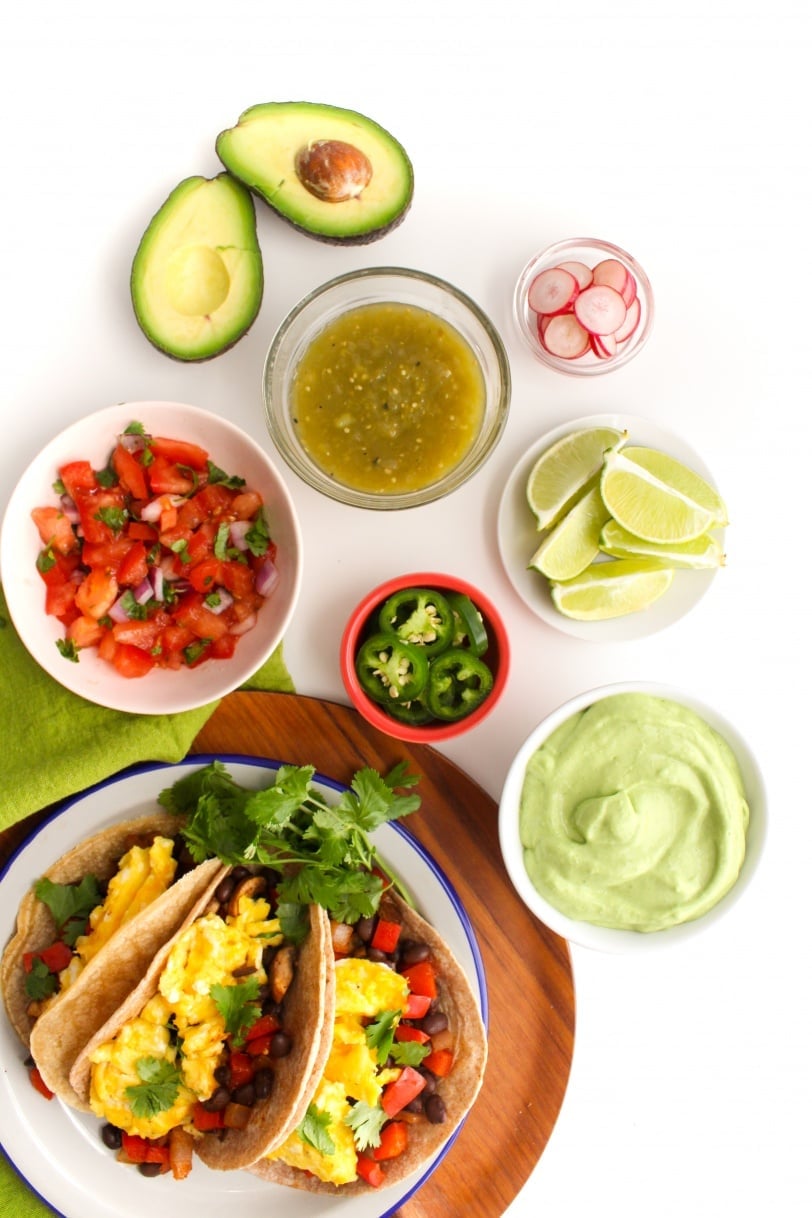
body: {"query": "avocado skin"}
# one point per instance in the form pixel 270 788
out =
pixel 315 117
pixel 231 333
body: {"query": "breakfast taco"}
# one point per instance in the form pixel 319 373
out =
pixel 87 930
pixel 406 1062
pixel 221 1040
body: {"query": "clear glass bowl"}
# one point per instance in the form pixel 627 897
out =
pixel 380 285
pixel 590 251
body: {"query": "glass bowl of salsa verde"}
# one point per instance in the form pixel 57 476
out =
pixel 386 388
pixel 632 818
pixel 424 657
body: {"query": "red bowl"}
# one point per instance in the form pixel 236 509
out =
pixel 497 657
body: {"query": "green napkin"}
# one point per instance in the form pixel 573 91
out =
pixel 55 744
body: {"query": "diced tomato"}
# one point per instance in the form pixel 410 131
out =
pixel 439 1062
pixel 60 598
pixel 205 575
pixel 422 978
pixel 215 501
pixel 133 569
pixel 397 1094
pixel 405 1031
pixel 385 938
pixel 107 555
pixel 85 631
pixel 55 529
pixel 204 1120
pixel 144 633
pixel 139 530
pixel 78 476
pixel 245 505
pixel 266 1025
pixel 223 648
pixel 180 452
pixel 107 647
pixel 131 661
pixel 191 513
pixel 55 958
pixel 97 509
pixel 394 1139
pixel 96 593
pixel 56 568
pixel 204 624
pixel 417 1005
pixel 239 579
pixel 39 1084
pixel 165 478
pixel 130 472
pixel 241 1068
pixel 142 1150
pixel 370 1171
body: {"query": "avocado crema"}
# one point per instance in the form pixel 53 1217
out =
pixel 633 815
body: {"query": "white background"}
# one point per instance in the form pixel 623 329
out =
pixel 680 131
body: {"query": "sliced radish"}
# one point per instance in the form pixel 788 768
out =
pixel 580 271
pixel 600 309
pixel 553 291
pixel 542 322
pixel 611 274
pixel 603 345
pixel 629 293
pixel 565 337
pixel 631 322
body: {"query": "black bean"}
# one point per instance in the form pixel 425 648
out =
pixel 263 1083
pixel 225 888
pixel 240 873
pixel 377 956
pixel 431 1081
pixel 111 1136
pixel 218 1100
pixel 434 1022
pixel 281 1044
pixel 149 1169
pixel 416 1104
pixel 434 1109
pixel 244 1095
pixel 364 929
pixel 413 953
pixel 223 1074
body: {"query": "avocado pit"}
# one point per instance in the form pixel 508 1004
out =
pixel 333 170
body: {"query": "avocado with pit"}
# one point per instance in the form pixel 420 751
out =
pixel 197 278
pixel 332 173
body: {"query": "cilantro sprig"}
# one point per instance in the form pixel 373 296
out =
pixel 323 850
pixel 366 1124
pixel 239 1006
pixel 314 1130
pixel 40 982
pixel 70 905
pixel 158 1089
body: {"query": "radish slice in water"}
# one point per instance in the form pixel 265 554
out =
pixel 600 309
pixel 630 323
pixel 553 291
pixel 565 337
pixel 579 271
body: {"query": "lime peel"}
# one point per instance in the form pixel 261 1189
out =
pixel 566 470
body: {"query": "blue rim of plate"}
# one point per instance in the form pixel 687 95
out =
pixel 202 759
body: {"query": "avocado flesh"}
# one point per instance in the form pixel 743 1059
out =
pixel 196 281
pixel 261 151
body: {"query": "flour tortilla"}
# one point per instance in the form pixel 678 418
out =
pixel 35 930
pixel 308 1012
pixel 458 1090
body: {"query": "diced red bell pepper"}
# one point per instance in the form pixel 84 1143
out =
pixel 204 1120
pixel 397 1094
pixel 439 1062
pixel 422 978
pixel 142 1150
pixel 266 1025
pixel 55 958
pixel 241 1068
pixel 405 1031
pixel 417 1005
pixel 370 1171
pixel 394 1139
pixel 385 938
pixel 39 1084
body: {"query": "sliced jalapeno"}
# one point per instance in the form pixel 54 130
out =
pixel 415 713
pixel 469 628
pixel 390 670
pixel 421 616
pixel 458 683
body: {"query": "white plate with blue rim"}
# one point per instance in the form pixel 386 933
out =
pixel 59 1152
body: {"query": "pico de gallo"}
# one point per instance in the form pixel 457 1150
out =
pixel 159 560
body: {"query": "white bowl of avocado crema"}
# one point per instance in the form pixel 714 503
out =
pixel 632 817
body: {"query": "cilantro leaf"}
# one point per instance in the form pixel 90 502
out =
pixel 40 982
pixel 380 1034
pixel 115 518
pixel 239 1006
pixel 409 1052
pixel 366 1124
pixel 70 905
pixel 221 542
pixel 313 1130
pixel 258 538
pixel 158 1089
pixel 293 921
pixel 134 429
pixel 68 649
pixel 219 477
pixel 46 559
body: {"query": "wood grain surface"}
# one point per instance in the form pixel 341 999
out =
pixel 528 968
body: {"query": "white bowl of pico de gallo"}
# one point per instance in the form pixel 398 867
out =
pixel 151 557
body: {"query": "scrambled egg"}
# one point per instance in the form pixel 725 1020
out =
pixel 181 1023
pixel 364 989
pixel 144 873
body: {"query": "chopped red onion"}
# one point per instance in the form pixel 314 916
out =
pixel 267 577
pixel 156 578
pixel 151 512
pixel 143 592
pixel 168 568
pixel 132 441
pixel 248 623
pixel 117 611
pixel 69 509
pixel 236 533
pixel 225 599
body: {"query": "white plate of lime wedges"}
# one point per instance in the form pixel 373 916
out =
pixel 553 513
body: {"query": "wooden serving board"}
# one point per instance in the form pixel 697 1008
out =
pixel 528 968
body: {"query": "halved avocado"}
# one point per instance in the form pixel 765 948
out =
pixel 196 281
pixel 332 173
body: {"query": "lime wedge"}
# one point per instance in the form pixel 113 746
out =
pixel 564 471
pixel 571 546
pixel 700 554
pixel 658 498
pixel 612 589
